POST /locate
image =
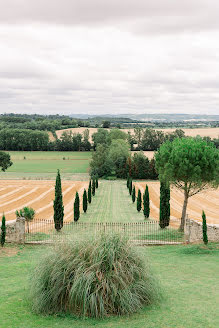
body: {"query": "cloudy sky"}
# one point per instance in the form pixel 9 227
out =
pixel 109 56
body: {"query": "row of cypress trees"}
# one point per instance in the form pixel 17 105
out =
pixel 58 202
pixel 146 201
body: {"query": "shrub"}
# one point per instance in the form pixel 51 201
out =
pixel 89 193
pixel 85 201
pixel 130 186
pixel 93 187
pixel 97 184
pixel 139 201
pixel 204 228
pixel 133 194
pixel 3 231
pixel 98 278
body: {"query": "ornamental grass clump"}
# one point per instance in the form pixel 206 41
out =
pixel 99 278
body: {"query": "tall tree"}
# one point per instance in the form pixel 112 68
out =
pixel 204 228
pixel 5 161
pixel 133 194
pixel 93 187
pixel 190 164
pixel 85 201
pixel 3 231
pixel 89 193
pixel 146 201
pixel 97 183
pixel 128 180
pixel 139 201
pixel 58 204
pixel 164 205
pixel 76 207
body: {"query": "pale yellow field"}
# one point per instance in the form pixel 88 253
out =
pixel 15 194
pixel 206 200
pixel 205 132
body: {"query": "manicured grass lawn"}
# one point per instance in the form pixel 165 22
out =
pixel 49 162
pixel 188 276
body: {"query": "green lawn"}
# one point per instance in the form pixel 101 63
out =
pixel 188 276
pixel 48 162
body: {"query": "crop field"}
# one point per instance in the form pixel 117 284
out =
pixel 49 162
pixel 15 194
pixel 203 132
pixel 206 200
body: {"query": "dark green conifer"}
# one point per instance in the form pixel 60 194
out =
pixel 89 193
pixel 133 194
pixel 204 228
pixel 3 231
pixel 164 205
pixel 76 207
pixel 139 200
pixel 97 184
pixel 58 204
pixel 146 201
pixel 85 201
pixel 93 187
pixel 130 186
pixel 127 183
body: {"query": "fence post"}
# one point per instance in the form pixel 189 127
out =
pixel 20 230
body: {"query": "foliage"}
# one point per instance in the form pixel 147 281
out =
pixel 96 278
pixel 164 218
pixel 28 213
pixel 93 187
pixel 5 161
pixel 3 231
pixel 204 228
pixel 190 164
pixel 127 181
pixel 130 186
pixel 106 124
pixel 146 202
pixel 58 204
pixel 140 167
pixel 89 193
pixel 76 207
pixel 133 194
pixel 96 183
pixel 139 201
pixel 85 201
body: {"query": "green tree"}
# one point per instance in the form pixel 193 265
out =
pixel 97 183
pixel 93 187
pixel 28 213
pixel 204 228
pixel 85 201
pixel 164 219
pixel 130 186
pixel 3 231
pixel 5 161
pixel 58 204
pixel 139 200
pixel 133 194
pixel 76 207
pixel 128 180
pixel 190 164
pixel 146 201
pixel 89 193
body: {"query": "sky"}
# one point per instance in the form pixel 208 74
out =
pixel 109 56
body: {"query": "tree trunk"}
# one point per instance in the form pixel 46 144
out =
pixel 183 218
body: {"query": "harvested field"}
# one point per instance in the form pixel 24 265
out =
pixel 206 200
pixel 203 132
pixel 15 194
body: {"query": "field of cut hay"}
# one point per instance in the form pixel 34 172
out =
pixel 206 200
pixel 15 194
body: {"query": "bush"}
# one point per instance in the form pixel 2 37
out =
pixel 98 278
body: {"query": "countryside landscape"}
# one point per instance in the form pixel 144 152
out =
pixel 109 164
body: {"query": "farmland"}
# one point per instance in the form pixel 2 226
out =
pixel 206 200
pixel 15 194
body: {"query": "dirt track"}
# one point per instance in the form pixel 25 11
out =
pixel 15 194
pixel 206 200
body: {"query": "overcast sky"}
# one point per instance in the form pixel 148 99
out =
pixel 109 56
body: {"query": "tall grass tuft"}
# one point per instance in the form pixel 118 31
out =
pixel 102 277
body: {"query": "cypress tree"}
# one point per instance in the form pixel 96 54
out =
pixel 3 231
pixel 139 201
pixel 97 184
pixel 146 203
pixel 58 204
pixel 130 186
pixel 128 180
pixel 133 194
pixel 164 205
pixel 89 193
pixel 93 187
pixel 76 207
pixel 85 201
pixel 204 228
